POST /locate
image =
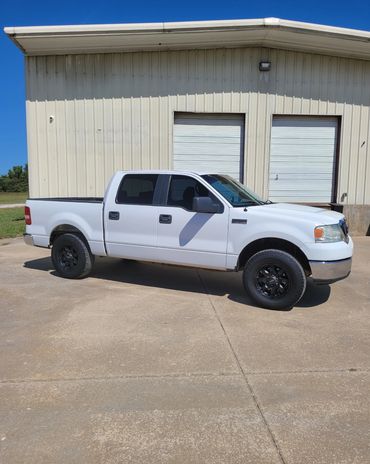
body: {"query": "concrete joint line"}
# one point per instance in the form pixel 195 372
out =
pixel 249 386
pixel 348 370
pixel 184 375
pixel 121 377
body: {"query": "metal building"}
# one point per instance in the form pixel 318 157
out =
pixel 283 106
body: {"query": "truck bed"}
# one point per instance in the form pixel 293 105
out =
pixel 84 214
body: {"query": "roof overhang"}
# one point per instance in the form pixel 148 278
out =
pixel 267 32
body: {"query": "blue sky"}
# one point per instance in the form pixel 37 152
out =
pixel 13 146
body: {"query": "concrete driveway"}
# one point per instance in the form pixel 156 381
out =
pixel 144 363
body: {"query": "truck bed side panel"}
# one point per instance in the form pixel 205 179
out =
pixel 48 214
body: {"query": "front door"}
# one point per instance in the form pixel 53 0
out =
pixel 131 222
pixel 187 237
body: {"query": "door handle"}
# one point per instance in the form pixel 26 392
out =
pixel 113 215
pixel 165 218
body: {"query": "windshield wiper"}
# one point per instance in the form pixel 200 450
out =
pixel 246 203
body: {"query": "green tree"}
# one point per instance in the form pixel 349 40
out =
pixel 16 180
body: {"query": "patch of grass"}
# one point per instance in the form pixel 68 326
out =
pixel 11 222
pixel 13 197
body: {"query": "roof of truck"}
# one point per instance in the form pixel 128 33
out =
pixel 165 171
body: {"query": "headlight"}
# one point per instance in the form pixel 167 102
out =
pixel 327 234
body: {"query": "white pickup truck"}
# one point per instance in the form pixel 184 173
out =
pixel 203 220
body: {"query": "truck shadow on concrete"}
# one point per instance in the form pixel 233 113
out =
pixel 179 278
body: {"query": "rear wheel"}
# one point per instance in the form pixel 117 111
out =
pixel 71 256
pixel 274 279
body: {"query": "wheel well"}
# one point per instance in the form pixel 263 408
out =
pixel 277 244
pixel 67 229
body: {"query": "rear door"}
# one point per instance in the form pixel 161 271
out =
pixel 187 237
pixel 131 217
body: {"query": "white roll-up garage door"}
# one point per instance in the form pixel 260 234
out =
pixel 210 143
pixel 302 159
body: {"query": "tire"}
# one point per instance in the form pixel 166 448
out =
pixel 274 279
pixel 71 257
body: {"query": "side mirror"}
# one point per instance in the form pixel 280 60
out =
pixel 206 205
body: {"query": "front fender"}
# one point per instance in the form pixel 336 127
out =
pixel 250 232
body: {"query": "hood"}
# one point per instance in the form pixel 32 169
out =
pixel 319 216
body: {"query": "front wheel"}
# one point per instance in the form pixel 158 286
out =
pixel 274 279
pixel 71 256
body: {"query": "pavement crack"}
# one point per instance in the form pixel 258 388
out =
pixel 243 373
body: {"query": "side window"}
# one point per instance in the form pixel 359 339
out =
pixel 137 189
pixel 183 189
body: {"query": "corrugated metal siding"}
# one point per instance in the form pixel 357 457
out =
pixel 115 111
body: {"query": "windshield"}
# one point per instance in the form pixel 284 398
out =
pixel 233 191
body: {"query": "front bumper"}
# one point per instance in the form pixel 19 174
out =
pixel 28 239
pixel 327 272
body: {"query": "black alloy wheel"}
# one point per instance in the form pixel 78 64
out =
pixel 67 258
pixel 71 256
pixel 274 279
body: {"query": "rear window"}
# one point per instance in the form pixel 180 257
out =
pixel 137 189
